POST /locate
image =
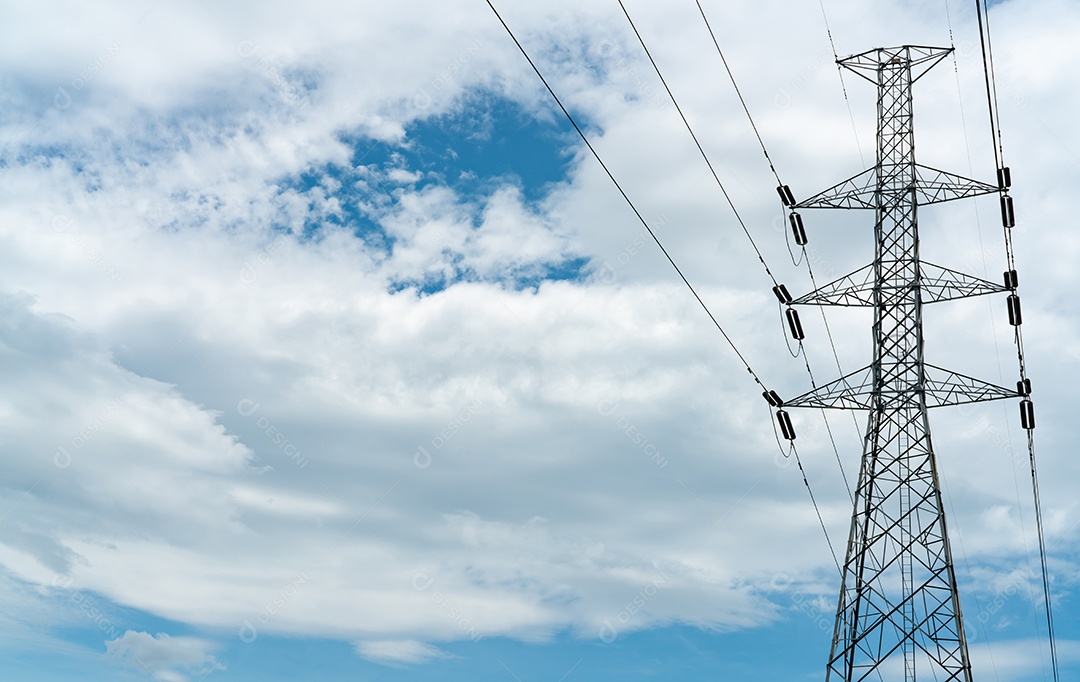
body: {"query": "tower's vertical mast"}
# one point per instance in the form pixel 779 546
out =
pixel 898 616
pixel 899 595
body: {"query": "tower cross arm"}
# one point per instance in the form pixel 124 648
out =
pixel 940 388
pixel 943 284
pixel 918 58
pixel 932 186
pixel 850 392
pixel 937 284
pixel 855 192
pixel 945 387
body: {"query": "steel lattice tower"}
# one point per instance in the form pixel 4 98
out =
pixel 898 616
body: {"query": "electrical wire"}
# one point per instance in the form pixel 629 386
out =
pixel 840 371
pixel 738 92
pixel 984 19
pixel 817 510
pixel 800 349
pixel 637 213
pixel 991 90
pixel 991 95
pixel 792 450
pixel 626 197
pixel 983 15
pixel 843 86
pixel 1042 553
pixel 644 223
pixel 997 349
pixel 995 115
pixel 795 261
pixel 704 156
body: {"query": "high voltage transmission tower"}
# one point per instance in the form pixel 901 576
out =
pixel 898 616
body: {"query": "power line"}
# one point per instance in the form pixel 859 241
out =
pixel 988 56
pixel 626 197
pixel 772 167
pixel 705 156
pixel 1042 553
pixel 637 213
pixel 817 510
pixel 610 175
pixel 1008 220
pixel 840 72
pixel 991 91
pixel 792 450
pixel 840 370
pixel 738 92
pixel 805 258
pixel 993 328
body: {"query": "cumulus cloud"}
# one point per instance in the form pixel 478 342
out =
pixel 274 368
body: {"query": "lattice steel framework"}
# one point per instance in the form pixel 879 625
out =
pixel 898 616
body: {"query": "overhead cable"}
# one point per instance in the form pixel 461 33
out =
pixel 1027 417
pixel 705 156
pixel 626 197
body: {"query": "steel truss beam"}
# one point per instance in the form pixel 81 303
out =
pixel 937 283
pixel 932 186
pixel 940 388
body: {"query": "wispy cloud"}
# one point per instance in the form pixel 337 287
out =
pixel 391 652
pixel 170 659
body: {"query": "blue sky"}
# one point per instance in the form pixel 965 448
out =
pixel 329 352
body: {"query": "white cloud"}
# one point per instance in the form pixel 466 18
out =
pixel 583 443
pixel 1021 659
pixel 390 652
pixel 170 659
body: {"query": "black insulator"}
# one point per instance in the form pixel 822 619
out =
pixel 1027 414
pixel 772 398
pixel 782 293
pixel 1023 387
pixel 1004 177
pixel 785 425
pixel 797 228
pixel 1011 281
pixel 785 195
pixel 795 324
pixel 1008 216
pixel 1015 318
